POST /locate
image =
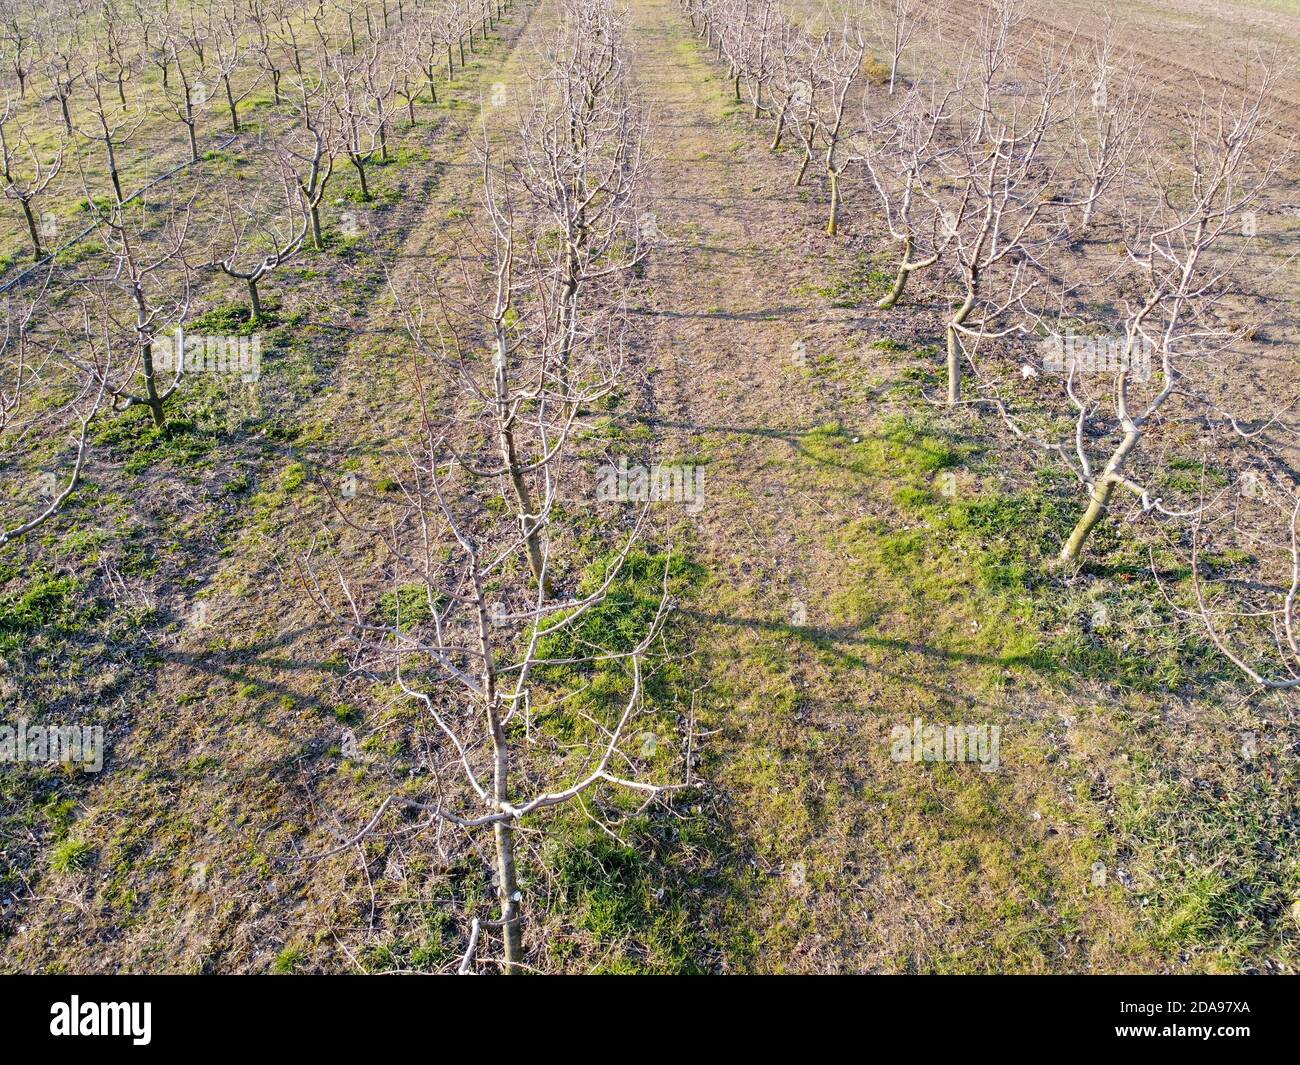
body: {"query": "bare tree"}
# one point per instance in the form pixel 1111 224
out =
pixel 259 233
pixel 582 162
pixel 904 155
pixel 493 627
pixel 148 267
pixel 1183 256
pixel 365 102
pixel 62 62
pixel 790 78
pixel 1106 113
pixel 264 17
pixel 227 36
pixel 413 50
pixel 17 37
pixel 69 401
pixel 41 173
pixel 746 40
pixel 493 617
pixel 995 197
pixel 317 136
pixel 113 127
pixel 187 95
pixel 896 24
pixel 1172 319
pixel 474 667
pixel 837 71
pixel 118 57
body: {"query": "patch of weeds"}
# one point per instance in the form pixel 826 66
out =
pixel 863 283
pixel 233 319
pixel 435 943
pixel 50 604
pixel 185 440
pixel 1191 476
pixel 71 855
pixel 406 607
pixel 347 714
pixel 289 961
pixel 96 206
pixel 79 252
pixel 622 619
pixel 623 900
pixel 899 449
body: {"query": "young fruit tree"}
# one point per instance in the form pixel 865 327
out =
pixel 903 155
pixel 581 161
pixel 28 171
pixel 896 24
pixel 43 395
pixel 994 191
pixel 1106 112
pixel 260 231
pixel 1180 320
pixel 129 310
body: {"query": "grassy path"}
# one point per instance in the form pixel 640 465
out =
pixel 834 614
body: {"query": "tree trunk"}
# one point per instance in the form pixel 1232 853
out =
pixel 37 252
pixel 954 367
pixel 112 170
pixel 510 459
pixel 507 890
pixel 1090 206
pixel 954 346
pixel 152 400
pixel 803 169
pixel 254 301
pixel 527 518
pixel 1099 500
pixel 833 224
pixel 780 127
pixel 1098 503
pixel 361 174
pixel 234 113
pixel 901 280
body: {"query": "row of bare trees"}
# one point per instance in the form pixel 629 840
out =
pixel 109 329
pixel 525 330
pixel 127 79
pixel 1028 183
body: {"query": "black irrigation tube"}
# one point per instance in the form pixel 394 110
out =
pixel 130 199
